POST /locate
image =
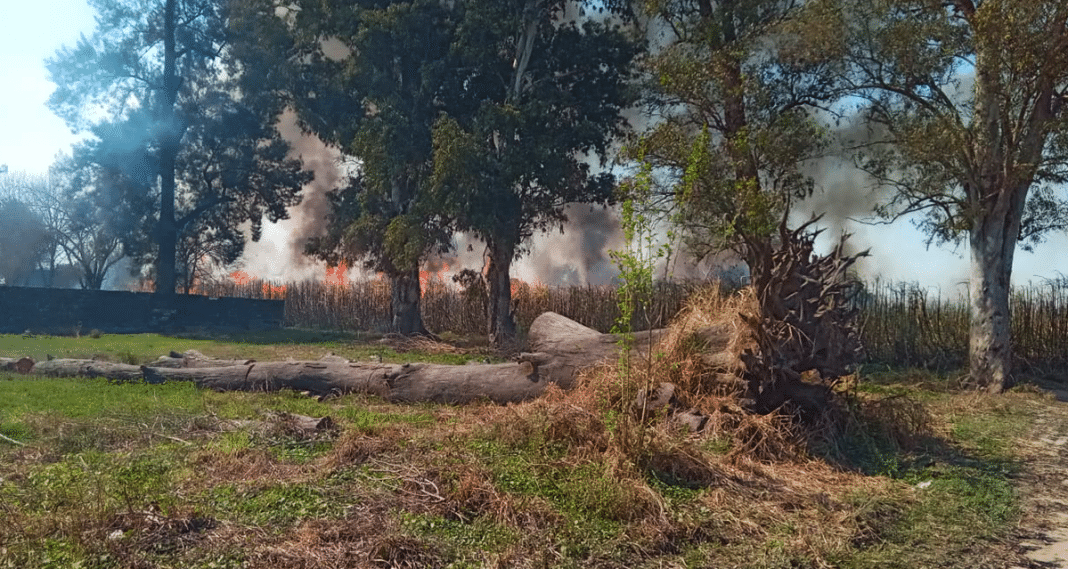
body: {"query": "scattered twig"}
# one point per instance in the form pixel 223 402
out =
pixel 11 440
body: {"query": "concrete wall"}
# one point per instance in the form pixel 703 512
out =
pixel 66 311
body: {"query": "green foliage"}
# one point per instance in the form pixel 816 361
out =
pixel 637 263
pixel 935 75
pixel 377 108
pixel 278 506
pixel 732 93
pixel 508 156
pixel 457 125
pixel 155 86
pixel 461 539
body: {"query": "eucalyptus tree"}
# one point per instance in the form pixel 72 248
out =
pixel 368 78
pixel 732 88
pixel 539 101
pixel 967 99
pixel 156 84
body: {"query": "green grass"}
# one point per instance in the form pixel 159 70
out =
pixel 463 542
pixel 276 507
pixel 261 346
pixel 958 488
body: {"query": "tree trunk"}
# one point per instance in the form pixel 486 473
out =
pixel 562 347
pixel 992 246
pixel 62 367
pixel 168 137
pixel 404 300
pixel 499 316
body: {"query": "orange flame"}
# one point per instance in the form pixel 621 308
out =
pixel 271 291
pixel 426 277
pixel 241 278
pixel 336 276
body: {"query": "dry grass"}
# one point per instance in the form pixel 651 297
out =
pixel 903 324
pixel 364 305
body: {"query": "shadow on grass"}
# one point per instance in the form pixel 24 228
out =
pixel 954 479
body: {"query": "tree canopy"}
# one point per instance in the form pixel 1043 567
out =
pixel 417 92
pixel 731 99
pixel 534 117
pixel 368 78
pixel 175 138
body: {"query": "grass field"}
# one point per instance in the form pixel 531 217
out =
pixel 261 346
pixel 108 475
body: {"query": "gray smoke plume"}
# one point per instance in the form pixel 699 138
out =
pixel 279 255
pixel 846 196
pixel 580 254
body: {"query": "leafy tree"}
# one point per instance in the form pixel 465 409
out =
pixel 538 99
pixel 82 223
pixel 967 102
pixel 731 93
pixel 370 78
pixel 207 248
pixel 179 139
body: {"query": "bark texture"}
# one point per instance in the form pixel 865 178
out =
pixel 404 299
pixel 499 317
pixel 169 138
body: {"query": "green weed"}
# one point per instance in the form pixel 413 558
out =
pixel 277 507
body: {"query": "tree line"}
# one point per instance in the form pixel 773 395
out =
pixel 489 116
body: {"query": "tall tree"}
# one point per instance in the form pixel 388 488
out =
pixel 367 77
pixel 162 75
pixel 731 92
pixel 969 100
pixel 539 100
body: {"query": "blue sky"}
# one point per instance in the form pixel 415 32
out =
pixel 33 31
pixel 32 136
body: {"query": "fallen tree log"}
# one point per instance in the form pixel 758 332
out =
pixel 17 365
pixel 500 383
pixel 64 367
pixel 561 348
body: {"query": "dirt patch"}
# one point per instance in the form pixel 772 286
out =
pixel 1043 534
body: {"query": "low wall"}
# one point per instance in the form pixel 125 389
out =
pixel 69 311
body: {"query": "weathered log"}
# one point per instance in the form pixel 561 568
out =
pixel 573 345
pixel 64 367
pixel 193 358
pixel 18 365
pixel 500 383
